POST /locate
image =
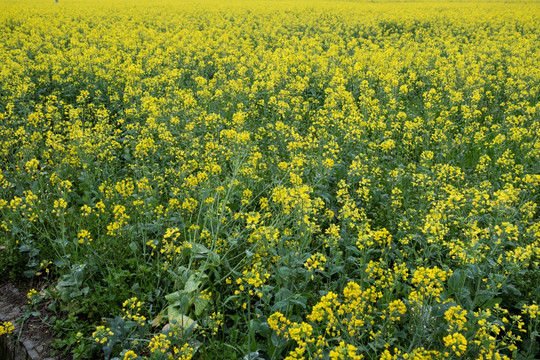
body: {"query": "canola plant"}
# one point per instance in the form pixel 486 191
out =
pixel 274 179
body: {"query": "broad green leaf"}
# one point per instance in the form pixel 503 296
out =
pixel 192 284
pixel 184 321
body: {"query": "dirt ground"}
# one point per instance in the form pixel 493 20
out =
pixel 31 335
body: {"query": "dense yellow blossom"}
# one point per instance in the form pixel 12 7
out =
pixel 310 179
pixel 6 328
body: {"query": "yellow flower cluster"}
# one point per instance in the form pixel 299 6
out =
pixel 102 334
pixel 531 310
pixel 130 355
pixel 456 342
pixel 315 262
pixel 216 322
pixel 131 309
pixel 252 281
pixel 161 343
pixel 345 352
pixel 33 297
pixel 428 283
pixel 84 237
pixel 362 175
pixel 6 328
pixel 456 317
pixel 171 246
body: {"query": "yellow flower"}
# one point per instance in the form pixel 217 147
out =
pixel 33 297
pixel 456 317
pixel 84 237
pixel 6 328
pixel 532 310
pixel 130 355
pixel 457 342
pixel 315 262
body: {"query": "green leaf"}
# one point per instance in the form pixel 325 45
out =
pixel 60 263
pixel 184 321
pixel 299 300
pixel 455 282
pixel 192 284
pixel 280 305
pixel 490 303
pixel 173 297
pixel 158 320
pixel 200 305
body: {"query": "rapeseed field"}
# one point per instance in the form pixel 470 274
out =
pixel 274 179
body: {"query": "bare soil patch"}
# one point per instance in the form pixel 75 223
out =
pixel 32 338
